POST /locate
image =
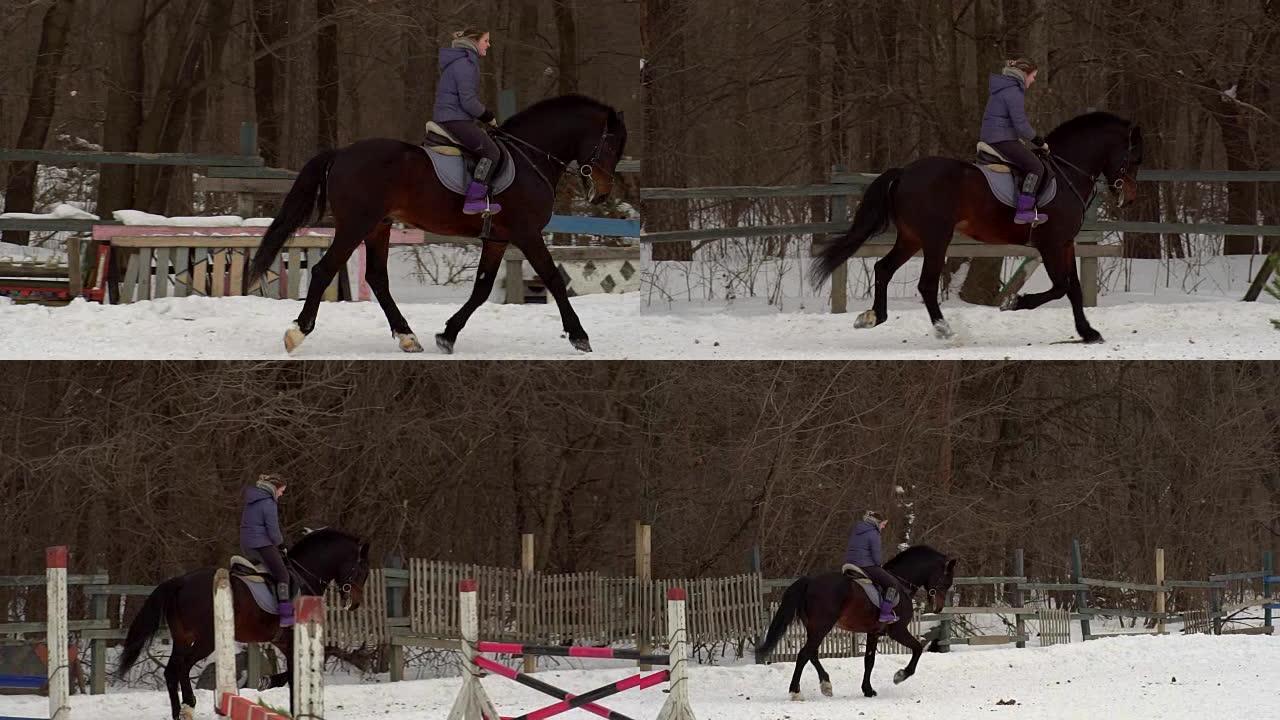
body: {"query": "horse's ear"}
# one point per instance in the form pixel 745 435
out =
pixel 364 551
pixel 951 564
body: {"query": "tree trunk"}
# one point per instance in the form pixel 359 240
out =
pixel 420 67
pixel 567 30
pixel 20 191
pixel 662 52
pixel 328 74
pixel 166 121
pixel 124 84
pixel 269 18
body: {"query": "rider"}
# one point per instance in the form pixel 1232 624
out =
pixel 864 551
pixel 459 110
pixel 261 539
pixel 1004 122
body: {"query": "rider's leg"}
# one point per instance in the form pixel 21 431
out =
pixel 1033 175
pixel 271 557
pixel 474 138
pixel 889 592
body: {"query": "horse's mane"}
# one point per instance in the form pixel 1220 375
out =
pixel 321 535
pixel 560 102
pixel 913 554
pixel 1089 121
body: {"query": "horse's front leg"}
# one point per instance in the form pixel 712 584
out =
pixel 490 259
pixel 535 250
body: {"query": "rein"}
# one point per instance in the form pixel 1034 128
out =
pixel 583 170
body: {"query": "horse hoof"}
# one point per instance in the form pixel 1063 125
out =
pixel 582 344
pixel 187 713
pixel 899 676
pixel 1093 337
pixel 293 337
pixel 797 697
pixel 1011 302
pixel 943 330
pixel 826 689
pixel 868 692
pixel 409 342
pixel 444 343
pixel 865 320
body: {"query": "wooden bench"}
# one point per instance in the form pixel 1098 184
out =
pixel 49 282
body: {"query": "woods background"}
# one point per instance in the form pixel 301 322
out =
pixel 775 93
pixel 138 467
pixel 181 76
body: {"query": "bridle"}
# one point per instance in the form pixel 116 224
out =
pixel 584 170
pixel 1117 185
pixel 317 584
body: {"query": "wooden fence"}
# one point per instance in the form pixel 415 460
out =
pixel 844 186
pixel 417 606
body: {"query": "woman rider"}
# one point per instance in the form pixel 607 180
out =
pixel 459 110
pixel 1005 125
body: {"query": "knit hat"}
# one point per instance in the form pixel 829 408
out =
pixel 873 517
pixel 270 481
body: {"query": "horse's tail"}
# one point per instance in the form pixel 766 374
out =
pixel 307 196
pixel 147 622
pixel 872 218
pixel 792 605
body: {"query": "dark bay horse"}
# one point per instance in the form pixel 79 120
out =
pixel 824 601
pixel 185 604
pixel 370 183
pixel 934 197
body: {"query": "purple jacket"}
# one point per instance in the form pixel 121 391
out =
pixel 1006 115
pixel 864 545
pixel 458 94
pixel 260 521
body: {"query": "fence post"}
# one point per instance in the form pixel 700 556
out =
pixel 513 267
pixel 249 147
pixel 527 564
pixel 395 609
pixel 307 693
pixel 98 675
pixel 59 665
pixel 472 703
pixel 224 639
pixel 1082 596
pixel 1160 594
pixel 1020 623
pixel 644 574
pixel 1268 566
pixel 677 705
pixel 839 212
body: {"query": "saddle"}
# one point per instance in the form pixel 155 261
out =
pixel 855 574
pixel 455 164
pixel 258 579
pixel 1004 178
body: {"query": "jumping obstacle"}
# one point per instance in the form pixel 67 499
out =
pixel 307 690
pixel 59 665
pixel 474 704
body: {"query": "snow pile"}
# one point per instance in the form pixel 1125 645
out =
pixel 61 211
pixel 138 217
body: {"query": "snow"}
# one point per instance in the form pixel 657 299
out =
pixel 1166 678
pixel 61 211
pixel 138 217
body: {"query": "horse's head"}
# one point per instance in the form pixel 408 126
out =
pixel 576 129
pixel 1102 143
pixel 926 569
pixel 598 157
pixel 1121 169
pixel 331 556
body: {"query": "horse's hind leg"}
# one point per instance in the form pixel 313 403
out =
pixel 869 664
pixel 935 257
pixel 192 655
pixel 490 259
pixel 177 677
pixel 347 235
pixel 885 267
pixel 378 247
pixel 815 630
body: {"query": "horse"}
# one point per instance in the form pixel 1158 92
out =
pixel 823 601
pixel 934 197
pixel 372 182
pixel 185 604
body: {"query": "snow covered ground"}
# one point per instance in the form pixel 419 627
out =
pixel 1131 678
pixel 1152 313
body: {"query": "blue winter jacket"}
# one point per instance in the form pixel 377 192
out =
pixel 458 94
pixel 260 521
pixel 864 545
pixel 1005 117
